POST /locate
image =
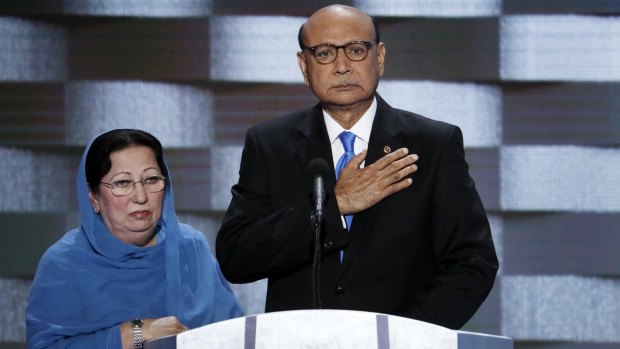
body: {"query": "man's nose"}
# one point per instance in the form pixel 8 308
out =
pixel 342 62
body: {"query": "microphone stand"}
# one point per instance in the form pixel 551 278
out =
pixel 318 170
pixel 317 223
pixel 316 270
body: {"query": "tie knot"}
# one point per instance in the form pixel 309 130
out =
pixel 348 139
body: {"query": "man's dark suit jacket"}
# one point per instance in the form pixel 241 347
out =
pixel 425 253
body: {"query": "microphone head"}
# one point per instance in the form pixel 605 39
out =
pixel 318 167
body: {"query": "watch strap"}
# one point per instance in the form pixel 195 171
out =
pixel 137 333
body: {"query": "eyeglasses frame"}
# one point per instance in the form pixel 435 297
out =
pixel 369 45
pixel 111 186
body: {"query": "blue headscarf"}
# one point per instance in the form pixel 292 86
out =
pixel 89 282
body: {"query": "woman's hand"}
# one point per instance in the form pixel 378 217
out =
pixel 152 329
pixel 165 326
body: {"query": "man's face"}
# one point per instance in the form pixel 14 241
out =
pixel 343 82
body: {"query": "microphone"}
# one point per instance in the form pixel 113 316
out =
pixel 318 170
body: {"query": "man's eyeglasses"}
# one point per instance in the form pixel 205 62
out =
pixel 355 51
pixel 124 187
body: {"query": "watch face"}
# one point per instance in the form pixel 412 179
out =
pixel 136 322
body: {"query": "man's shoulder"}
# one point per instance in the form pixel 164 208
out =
pixel 421 122
pixel 408 119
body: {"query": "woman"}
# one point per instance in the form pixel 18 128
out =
pixel 131 272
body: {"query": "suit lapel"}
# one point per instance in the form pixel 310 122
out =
pixel 314 141
pixel 386 132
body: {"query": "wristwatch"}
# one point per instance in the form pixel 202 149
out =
pixel 137 333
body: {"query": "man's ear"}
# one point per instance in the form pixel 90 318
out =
pixel 301 60
pixel 381 51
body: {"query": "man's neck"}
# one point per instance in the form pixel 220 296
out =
pixel 347 116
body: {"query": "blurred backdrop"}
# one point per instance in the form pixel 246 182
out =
pixel 534 85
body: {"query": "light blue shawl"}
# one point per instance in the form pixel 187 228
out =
pixel 90 282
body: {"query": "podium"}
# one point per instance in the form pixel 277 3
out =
pixel 327 329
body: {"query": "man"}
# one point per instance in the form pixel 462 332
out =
pixel 419 243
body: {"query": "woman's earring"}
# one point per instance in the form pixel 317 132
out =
pixel 96 210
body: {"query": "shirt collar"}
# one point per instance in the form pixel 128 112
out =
pixel 361 128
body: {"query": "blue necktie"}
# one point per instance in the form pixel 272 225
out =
pixel 347 139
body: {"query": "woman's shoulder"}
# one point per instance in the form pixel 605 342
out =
pixel 64 251
pixel 188 231
pixel 191 237
pixel 191 234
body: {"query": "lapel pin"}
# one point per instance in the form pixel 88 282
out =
pixel 387 149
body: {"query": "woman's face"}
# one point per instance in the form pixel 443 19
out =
pixel 132 218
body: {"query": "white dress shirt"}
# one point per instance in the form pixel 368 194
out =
pixel 361 129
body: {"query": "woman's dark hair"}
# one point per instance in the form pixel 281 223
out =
pixel 98 162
